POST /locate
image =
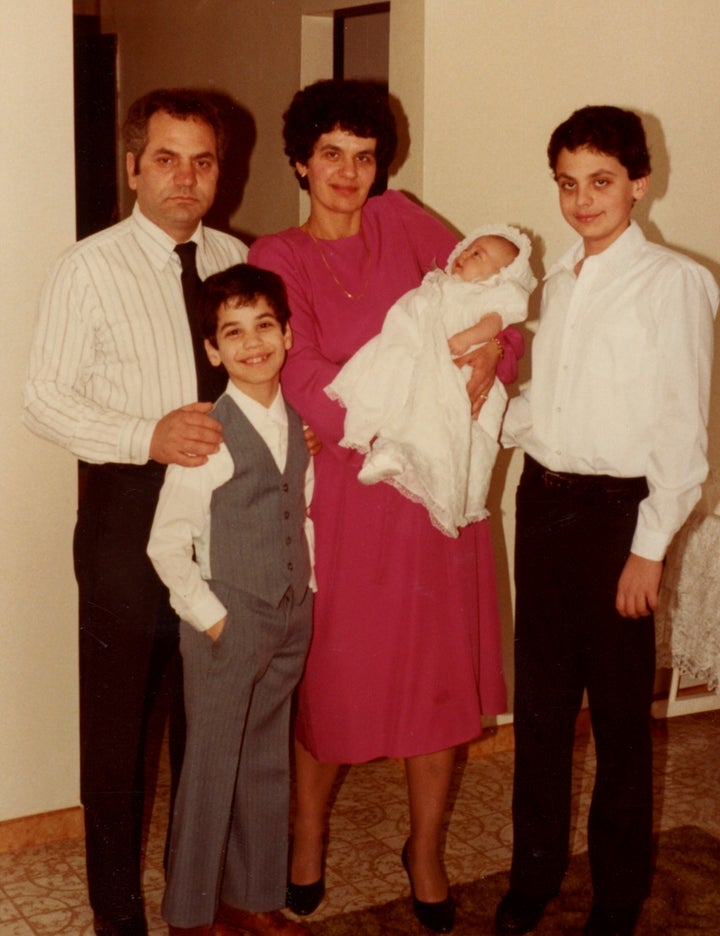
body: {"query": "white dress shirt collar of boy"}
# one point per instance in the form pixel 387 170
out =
pixel 270 422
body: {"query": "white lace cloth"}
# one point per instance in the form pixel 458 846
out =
pixel 407 403
pixel 687 620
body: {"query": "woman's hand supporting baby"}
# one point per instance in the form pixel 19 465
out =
pixel 483 360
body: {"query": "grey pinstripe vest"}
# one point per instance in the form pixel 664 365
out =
pixel 257 540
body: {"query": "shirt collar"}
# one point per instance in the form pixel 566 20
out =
pixel 610 262
pixel 156 243
pixel 255 411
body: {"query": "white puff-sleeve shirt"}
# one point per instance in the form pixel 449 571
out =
pixel 621 376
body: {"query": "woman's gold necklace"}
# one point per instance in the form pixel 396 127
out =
pixel 332 273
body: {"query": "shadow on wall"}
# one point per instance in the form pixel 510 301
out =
pixel 403 135
pixel 241 134
pixel 660 185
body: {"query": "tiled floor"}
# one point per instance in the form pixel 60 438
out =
pixel 42 889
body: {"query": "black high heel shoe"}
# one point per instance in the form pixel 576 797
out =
pixel 438 916
pixel 304 899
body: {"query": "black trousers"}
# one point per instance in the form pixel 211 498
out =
pixel 128 648
pixel 573 537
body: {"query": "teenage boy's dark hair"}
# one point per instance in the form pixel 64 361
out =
pixel 604 129
pixel 242 284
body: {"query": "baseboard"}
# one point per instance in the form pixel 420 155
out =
pixel 27 831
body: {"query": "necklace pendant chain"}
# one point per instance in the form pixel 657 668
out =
pixel 350 295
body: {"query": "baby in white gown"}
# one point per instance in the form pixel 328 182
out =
pixel 406 399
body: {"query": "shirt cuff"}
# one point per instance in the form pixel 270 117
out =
pixel 650 544
pixel 206 612
pixel 516 423
pixel 134 442
pixel 513 349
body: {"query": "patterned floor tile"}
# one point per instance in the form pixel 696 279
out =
pixel 42 890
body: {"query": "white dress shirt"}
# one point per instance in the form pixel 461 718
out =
pixel 621 377
pixel 112 351
pixel 179 545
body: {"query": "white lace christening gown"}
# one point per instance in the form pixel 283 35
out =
pixel 407 403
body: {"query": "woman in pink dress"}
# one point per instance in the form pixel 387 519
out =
pixel 405 655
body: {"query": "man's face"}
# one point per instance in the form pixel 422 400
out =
pixel 176 177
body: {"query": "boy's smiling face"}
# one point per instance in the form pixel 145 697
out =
pixel 252 347
pixel 596 195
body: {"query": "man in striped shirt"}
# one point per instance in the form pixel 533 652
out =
pixel 113 379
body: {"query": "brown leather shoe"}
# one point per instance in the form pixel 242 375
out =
pixel 191 930
pixel 232 920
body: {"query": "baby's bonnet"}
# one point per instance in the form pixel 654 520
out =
pixel 518 271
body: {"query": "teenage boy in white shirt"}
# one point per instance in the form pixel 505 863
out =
pixel 613 426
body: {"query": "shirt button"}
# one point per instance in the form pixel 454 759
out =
pixel 290 566
pixel 288 540
pixel 286 514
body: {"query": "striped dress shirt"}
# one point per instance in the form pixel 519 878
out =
pixel 112 351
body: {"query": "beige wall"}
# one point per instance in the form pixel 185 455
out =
pixel 38 670
pixel 496 91
pixel 482 84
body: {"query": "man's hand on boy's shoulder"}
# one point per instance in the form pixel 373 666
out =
pixel 186 436
pixel 637 590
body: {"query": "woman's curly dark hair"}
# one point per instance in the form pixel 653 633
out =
pixel 359 107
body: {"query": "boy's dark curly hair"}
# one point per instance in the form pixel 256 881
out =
pixel 359 107
pixel 604 129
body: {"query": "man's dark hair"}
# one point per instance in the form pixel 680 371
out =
pixel 241 284
pixel 180 103
pixel 604 129
pixel 358 107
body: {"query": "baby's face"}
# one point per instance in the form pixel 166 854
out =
pixel 484 257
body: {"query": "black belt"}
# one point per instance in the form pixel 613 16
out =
pixel 150 475
pixel 567 481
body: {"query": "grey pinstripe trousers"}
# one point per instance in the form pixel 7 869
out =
pixel 229 836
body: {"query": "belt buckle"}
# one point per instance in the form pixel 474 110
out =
pixel 556 482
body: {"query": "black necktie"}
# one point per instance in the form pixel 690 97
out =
pixel 210 380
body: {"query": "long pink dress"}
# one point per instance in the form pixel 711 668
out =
pixel 405 655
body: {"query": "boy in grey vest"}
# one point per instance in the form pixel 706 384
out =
pixel 229 540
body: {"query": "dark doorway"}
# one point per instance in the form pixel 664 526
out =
pixel 361 40
pixel 95 134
